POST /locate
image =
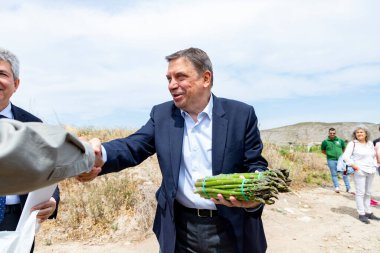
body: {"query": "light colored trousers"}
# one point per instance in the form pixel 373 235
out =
pixel 363 186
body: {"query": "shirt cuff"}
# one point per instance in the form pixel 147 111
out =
pixel 251 210
pixel 104 154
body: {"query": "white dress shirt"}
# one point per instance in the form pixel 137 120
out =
pixel 11 199
pixel 196 159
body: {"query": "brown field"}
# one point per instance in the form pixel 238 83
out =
pixel 121 205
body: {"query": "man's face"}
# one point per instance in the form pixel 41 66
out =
pixel 189 90
pixel 332 134
pixel 8 85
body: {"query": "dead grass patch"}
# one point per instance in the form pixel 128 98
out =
pixel 122 205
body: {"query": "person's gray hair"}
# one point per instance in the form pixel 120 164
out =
pixel 365 129
pixel 197 57
pixel 6 55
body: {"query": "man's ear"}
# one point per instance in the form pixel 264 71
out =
pixel 17 83
pixel 207 78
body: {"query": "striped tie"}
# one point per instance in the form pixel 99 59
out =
pixel 2 208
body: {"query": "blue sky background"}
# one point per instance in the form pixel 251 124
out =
pixel 101 63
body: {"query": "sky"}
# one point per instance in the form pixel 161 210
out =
pixel 102 63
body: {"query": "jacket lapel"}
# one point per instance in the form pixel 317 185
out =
pixel 176 129
pixel 17 114
pixel 219 136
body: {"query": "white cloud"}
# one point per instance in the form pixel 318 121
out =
pixel 76 57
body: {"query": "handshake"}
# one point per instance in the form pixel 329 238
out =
pixel 98 163
pixel 34 155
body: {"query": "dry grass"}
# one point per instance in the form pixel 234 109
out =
pixel 306 169
pixel 122 205
pixel 112 206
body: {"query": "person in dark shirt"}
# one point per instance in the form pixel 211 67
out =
pixel 376 140
pixel 376 143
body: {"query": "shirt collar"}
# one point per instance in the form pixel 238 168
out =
pixel 7 112
pixel 207 110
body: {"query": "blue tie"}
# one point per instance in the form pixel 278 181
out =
pixel 2 208
pixel 2 198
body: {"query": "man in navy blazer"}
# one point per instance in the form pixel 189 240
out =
pixel 9 83
pixel 195 135
pixel 24 116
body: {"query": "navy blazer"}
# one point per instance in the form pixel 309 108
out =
pixel 24 116
pixel 236 147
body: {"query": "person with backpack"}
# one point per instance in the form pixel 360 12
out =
pixel 360 155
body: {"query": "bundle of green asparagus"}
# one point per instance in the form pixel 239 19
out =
pixel 259 186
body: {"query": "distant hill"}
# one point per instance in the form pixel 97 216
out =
pixel 313 132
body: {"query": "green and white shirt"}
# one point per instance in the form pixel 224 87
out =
pixel 333 147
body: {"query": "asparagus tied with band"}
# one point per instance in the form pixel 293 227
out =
pixel 257 186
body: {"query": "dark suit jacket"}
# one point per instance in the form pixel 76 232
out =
pixel 236 147
pixel 24 116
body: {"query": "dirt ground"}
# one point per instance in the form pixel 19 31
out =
pixel 311 220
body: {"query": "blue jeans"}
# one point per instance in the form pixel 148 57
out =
pixel 334 174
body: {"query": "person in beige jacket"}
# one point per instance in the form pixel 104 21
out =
pixel 34 155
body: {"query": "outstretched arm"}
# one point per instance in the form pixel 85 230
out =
pixel 34 155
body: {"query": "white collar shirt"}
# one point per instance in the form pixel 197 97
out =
pixel 7 112
pixel 196 162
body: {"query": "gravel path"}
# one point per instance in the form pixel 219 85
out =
pixel 312 220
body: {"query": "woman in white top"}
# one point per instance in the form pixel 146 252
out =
pixel 360 155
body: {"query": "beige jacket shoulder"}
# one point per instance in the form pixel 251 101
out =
pixel 34 155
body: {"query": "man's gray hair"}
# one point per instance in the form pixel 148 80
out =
pixel 6 55
pixel 197 57
pixel 365 129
